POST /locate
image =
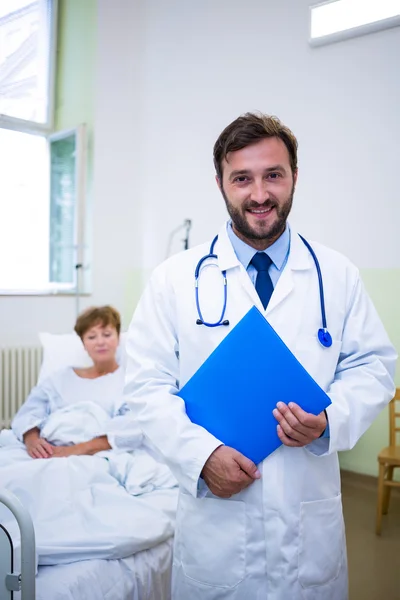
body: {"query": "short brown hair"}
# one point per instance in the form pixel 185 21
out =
pixel 95 315
pixel 251 128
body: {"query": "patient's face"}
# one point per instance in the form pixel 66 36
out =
pixel 101 343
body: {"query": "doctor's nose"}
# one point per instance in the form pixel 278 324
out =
pixel 259 193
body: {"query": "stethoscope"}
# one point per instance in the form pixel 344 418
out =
pixel 324 336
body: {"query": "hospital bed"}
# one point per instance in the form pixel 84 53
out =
pixel 10 580
pixel 145 575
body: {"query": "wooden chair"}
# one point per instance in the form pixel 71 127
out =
pixel 388 459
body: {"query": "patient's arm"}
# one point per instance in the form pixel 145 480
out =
pixel 92 447
pixel 36 446
pixel 35 410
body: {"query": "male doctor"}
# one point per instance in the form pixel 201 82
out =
pixel 272 531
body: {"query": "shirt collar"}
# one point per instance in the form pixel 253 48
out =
pixel 278 252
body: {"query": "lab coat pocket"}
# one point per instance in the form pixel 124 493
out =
pixel 322 545
pixel 320 362
pixel 211 540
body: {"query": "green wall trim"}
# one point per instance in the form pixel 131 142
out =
pixel 75 89
pixel 76 57
pixel 134 285
pixel 383 286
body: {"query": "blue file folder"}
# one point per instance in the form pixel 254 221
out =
pixel 233 393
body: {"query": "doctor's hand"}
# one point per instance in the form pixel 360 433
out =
pixel 228 472
pixel 296 427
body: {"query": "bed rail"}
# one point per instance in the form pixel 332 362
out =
pixel 25 581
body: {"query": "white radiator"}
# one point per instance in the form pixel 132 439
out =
pixel 19 371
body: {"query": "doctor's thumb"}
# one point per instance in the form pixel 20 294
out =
pixel 247 466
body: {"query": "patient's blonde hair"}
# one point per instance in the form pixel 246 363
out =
pixel 97 315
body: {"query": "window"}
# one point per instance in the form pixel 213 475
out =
pixel 340 19
pixel 41 187
pixel 41 210
pixel 26 59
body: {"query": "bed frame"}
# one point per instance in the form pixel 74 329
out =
pixel 11 582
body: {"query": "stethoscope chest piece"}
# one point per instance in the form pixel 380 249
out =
pixel 325 338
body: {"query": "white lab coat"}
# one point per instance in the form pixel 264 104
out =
pixel 283 537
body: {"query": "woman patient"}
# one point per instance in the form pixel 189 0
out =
pixel 99 387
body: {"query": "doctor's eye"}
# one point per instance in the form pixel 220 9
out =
pixel 241 179
pixel 274 176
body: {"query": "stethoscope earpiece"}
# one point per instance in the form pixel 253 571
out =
pixel 199 322
pixel 226 322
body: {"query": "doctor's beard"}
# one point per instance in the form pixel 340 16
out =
pixel 239 219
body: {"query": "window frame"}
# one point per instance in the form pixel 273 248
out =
pixel 346 34
pixel 80 133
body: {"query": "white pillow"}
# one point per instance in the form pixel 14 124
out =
pixel 67 350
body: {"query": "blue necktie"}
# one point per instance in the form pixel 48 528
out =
pixel 264 287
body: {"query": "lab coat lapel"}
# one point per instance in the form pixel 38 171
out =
pixel 227 259
pixel 298 260
pixel 285 309
pixel 282 289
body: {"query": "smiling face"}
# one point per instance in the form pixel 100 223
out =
pixel 101 343
pixel 258 186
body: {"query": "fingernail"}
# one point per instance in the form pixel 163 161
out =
pixel 275 412
pixel 291 405
pixel 257 474
pixel 280 405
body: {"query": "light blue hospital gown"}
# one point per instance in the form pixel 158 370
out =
pixel 65 388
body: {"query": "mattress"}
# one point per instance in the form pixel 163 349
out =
pixel 143 576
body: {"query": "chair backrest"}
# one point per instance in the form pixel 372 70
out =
pixel 394 419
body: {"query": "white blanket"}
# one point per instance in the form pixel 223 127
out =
pixel 109 505
pixel 75 423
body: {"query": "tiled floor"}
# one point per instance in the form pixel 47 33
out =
pixel 374 562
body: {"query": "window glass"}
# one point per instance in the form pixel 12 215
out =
pixel 25 58
pixel 341 15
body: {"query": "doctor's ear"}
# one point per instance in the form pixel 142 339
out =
pixel 295 174
pixel 217 179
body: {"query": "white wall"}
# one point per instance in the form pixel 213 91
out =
pixel 206 62
pixel 117 225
